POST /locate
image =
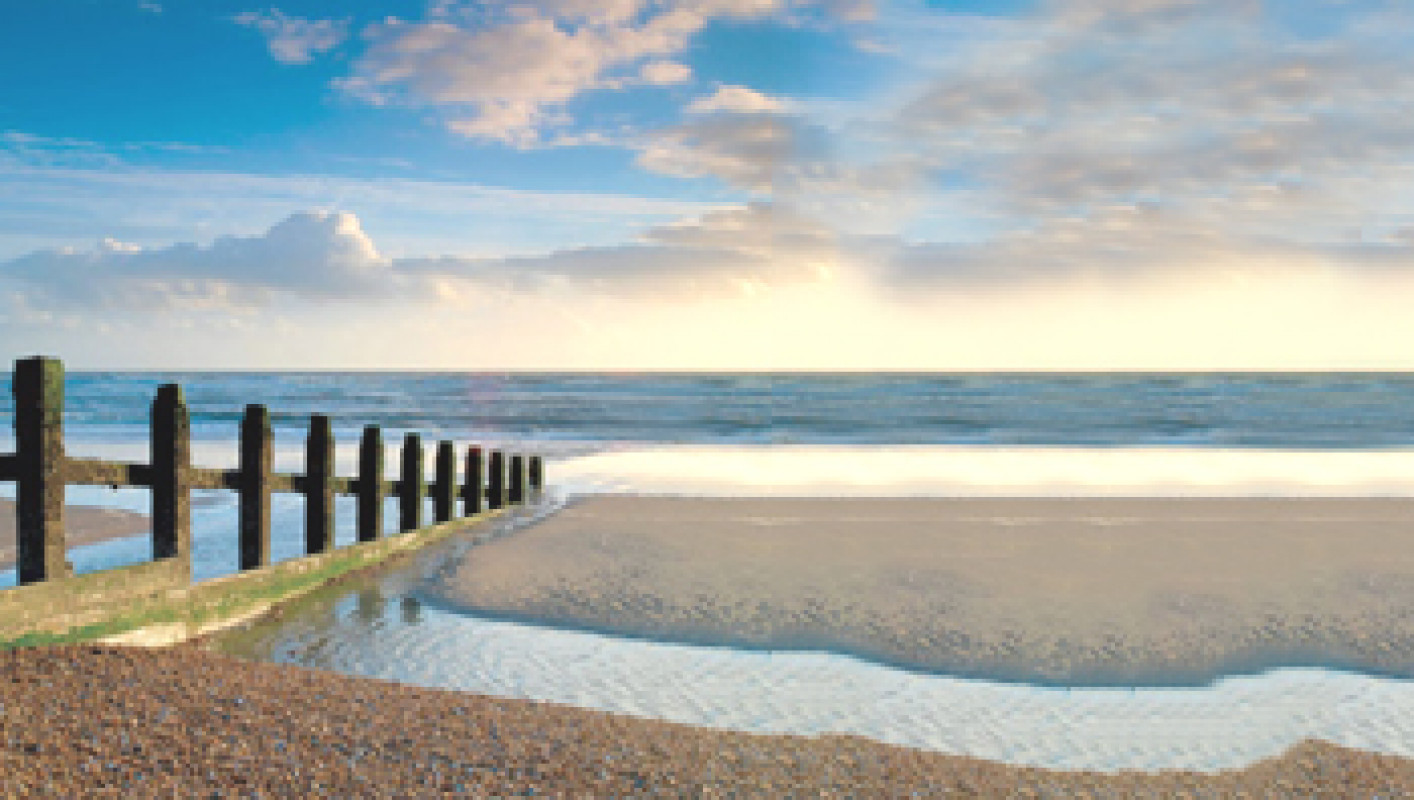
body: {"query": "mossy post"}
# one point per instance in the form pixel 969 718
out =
pixel 318 485
pixel 444 494
pixel 471 491
pixel 257 462
pixel 516 495
pixel 410 488
pixel 370 484
pixel 496 481
pixel 171 475
pixel 38 386
pixel 537 475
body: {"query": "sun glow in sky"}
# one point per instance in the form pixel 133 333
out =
pixel 708 184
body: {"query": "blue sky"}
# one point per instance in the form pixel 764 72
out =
pixel 708 184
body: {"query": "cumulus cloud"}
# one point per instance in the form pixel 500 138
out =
pixel 295 40
pixel 316 255
pixel 506 74
pixel 326 257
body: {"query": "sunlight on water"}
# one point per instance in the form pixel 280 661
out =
pixel 872 471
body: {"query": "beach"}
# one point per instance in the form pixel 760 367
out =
pixel 872 573
pixel 118 721
pixel 1068 591
pixel 82 525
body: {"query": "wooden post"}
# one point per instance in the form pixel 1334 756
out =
pixel 257 462
pixel 171 475
pixel 370 485
pixel 471 490
pixel 318 491
pixel 537 476
pixel 445 493
pixel 410 488
pixel 496 481
pixel 38 386
pixel 517 489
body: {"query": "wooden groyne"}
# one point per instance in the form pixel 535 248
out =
pixel 51 603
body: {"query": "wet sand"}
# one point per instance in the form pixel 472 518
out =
pixel 1092 591
pixel 112 721
pixel 82 525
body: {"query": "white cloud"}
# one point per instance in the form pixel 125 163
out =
pixel 720 253
pixel 51 200
pixel 665 73
pixel 737 99
pixel 315 254
pixel 1133 136
pixel 326 257
pixel 294 40
pixel 507 74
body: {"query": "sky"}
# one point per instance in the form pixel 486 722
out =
pixel 708 184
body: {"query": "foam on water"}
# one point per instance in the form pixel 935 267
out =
pixel 950 471
pixel 1226 725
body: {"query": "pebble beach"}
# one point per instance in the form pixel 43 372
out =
pixel 103 720
pixel 178 721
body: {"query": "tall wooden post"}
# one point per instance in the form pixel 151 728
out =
pixel 318 490
pixel 370 484
pixel 410 487
pixel 517 488
pixel 471 490
pixel 496 481
pixel 537 475
pixel 38 386
pixel 257 462
pixel 445 493
pixel 171 475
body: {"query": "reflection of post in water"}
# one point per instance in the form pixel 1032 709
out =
pixel 411 610
pixel 370 605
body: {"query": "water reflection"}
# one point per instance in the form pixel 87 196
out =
pixel 382 626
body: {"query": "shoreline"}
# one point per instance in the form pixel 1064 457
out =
pixel 1059 592
pixel 151 721
pixel 82 525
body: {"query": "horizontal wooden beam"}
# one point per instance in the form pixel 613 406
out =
pixel 203 478
pixel 96 472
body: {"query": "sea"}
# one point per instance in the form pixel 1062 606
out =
pixel 794 434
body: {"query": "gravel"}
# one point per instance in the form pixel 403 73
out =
pixel 134 722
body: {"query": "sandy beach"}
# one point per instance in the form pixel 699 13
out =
pixel 1067 591
pixel 82 525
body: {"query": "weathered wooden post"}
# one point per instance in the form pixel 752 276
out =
pixel 471 490
pixel 38 386
pixel 257 462
pixel 445 493
pixel 517 488
pixel 537 475
pixel 370 484
pixel 171 475
pixel 318 489
pixel 410 488
pixel 496 481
